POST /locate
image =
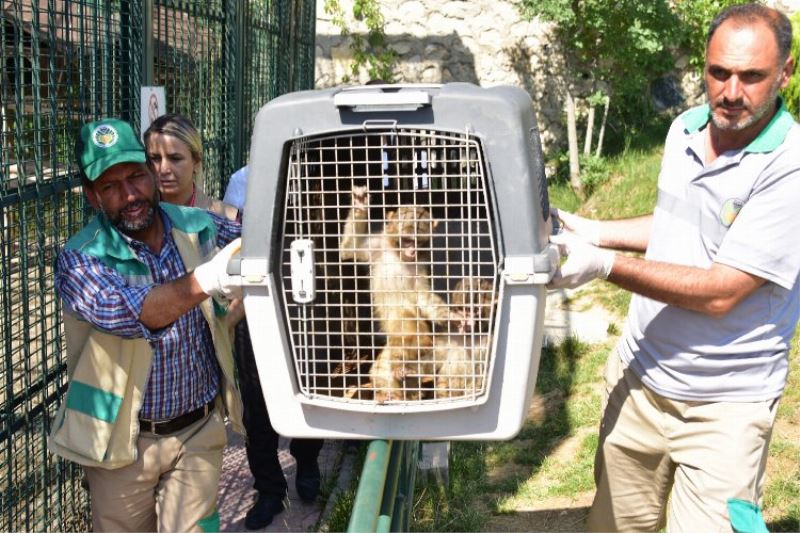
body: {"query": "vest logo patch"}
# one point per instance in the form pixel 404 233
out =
pixel 105 136
pixel 730 209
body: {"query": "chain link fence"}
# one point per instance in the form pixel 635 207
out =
pixel 66 62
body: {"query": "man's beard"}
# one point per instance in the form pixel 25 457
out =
pixel 132 225
pixel 757 114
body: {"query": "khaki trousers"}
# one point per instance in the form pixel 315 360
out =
pixel 696 454
pixel 172 486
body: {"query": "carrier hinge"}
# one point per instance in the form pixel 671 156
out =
pixel 532 269
pixel 253 270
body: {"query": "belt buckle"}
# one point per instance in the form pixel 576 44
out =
pixel 149 426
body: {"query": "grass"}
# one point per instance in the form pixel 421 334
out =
pixel 538 464
pixel 453 507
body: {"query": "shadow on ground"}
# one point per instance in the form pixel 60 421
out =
pixel 551 520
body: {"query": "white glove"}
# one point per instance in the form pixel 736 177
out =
pixel 212 275
pixel 585 262
pixel 585 228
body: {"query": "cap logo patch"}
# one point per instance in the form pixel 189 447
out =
pixel 730 209
pixel 105 136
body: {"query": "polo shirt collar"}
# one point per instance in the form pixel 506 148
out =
pixel 770 138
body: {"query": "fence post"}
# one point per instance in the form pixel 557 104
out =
pixel 238 118
pixel 370 488
pixel 148 51
pixel 386 488
pixel 404 500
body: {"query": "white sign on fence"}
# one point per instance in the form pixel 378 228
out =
pixel 153 105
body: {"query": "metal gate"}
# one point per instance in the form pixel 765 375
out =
pixel 66 62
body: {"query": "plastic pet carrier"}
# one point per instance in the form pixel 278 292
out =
pixel 394 260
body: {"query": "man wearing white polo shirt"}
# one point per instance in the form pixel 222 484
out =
pixel 693 390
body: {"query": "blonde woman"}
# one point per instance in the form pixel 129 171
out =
pixel 174 151
pixel 175 155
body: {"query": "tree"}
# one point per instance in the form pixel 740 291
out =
pixel 695 17
pixel 622 45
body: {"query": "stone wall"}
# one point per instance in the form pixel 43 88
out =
pixel 479 41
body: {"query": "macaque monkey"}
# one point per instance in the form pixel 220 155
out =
pixel 402 298
pixel 476 299
pixel 460 357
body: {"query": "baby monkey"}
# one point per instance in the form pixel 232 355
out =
pixel 402 298
pixel 460 358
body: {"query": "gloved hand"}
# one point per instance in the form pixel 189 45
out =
pixel 213 277
pixel 585 228
pixel 585 262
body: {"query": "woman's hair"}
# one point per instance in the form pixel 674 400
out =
pixel 182 129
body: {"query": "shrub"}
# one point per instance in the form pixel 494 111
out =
pixel 791 93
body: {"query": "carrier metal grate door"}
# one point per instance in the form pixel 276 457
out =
pixel 361 328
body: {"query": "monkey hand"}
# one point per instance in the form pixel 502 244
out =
pixel 585 262
pixel 585 228
pixel 360 198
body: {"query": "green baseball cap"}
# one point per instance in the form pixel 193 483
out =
pixel 105 143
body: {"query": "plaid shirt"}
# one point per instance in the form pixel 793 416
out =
pixel 184 374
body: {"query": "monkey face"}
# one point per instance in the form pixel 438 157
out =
pixel 408 248
pixel 409 228
pixel 475 297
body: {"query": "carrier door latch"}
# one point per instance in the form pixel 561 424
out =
pixel 301 258
pixel 532 270
pixel 254 271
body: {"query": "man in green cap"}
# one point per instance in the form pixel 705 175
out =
pixel 149 354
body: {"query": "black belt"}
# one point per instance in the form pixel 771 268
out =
pixel 173 425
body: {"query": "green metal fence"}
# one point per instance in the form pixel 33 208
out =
pixel 66 62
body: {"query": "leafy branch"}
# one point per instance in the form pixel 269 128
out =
pixel 370 52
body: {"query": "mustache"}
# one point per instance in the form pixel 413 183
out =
pixel 136 204
pixel 724 102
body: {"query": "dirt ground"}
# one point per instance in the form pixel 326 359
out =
pixel 554 515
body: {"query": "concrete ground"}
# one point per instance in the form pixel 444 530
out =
pixel 561 320
pixel 236 493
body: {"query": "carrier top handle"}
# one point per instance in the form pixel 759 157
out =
pixel 376 98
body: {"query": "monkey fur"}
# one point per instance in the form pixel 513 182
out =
pixel 460 357
pixel 402 298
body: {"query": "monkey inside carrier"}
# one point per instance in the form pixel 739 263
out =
pixel 394 260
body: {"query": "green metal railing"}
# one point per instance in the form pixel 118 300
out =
pixel 66 62
pixel 386 487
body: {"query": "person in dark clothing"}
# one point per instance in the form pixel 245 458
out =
pixel 262 440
